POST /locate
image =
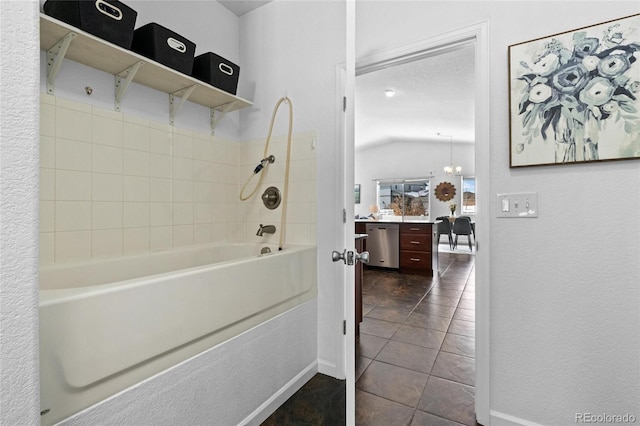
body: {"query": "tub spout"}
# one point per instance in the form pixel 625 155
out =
pixel 266 229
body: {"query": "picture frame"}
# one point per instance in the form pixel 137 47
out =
pixel 574 96
pixel 357 193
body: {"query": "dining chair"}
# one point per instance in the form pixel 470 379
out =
pixel 444 227
pixel 462 226
pixel 473 226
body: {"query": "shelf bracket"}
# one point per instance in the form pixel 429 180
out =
pixel 177 100
pixel 123 79
pixel 215 118
pixel 55 55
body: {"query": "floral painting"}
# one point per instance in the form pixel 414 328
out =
pixel 574 96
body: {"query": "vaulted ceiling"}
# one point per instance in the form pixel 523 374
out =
pixel 432 95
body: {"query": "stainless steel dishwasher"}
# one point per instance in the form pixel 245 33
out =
pixel 383 244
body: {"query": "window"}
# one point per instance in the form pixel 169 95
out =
pixel 404 198
pixel 469 195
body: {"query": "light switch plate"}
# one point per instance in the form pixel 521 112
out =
pixel 518 204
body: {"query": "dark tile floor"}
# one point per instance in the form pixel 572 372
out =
pixel 416 354
pixel 321 401
pixel 415 359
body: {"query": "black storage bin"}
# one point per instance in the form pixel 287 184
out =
pixel 110 20
pixel 165 46
pixel 216 71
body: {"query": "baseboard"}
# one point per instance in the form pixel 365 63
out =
pixel 502 419
pixel 277 399
pixel 328 368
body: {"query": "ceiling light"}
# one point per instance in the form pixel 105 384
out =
pixel 450 169
pixel 389 93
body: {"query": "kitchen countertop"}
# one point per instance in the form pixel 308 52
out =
pixel 394 221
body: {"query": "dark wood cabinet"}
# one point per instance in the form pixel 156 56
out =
pixel 417 250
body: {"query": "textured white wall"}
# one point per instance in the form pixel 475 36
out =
pixel 19 40
pixel 565 318
pixel 409 159
pixel 293 48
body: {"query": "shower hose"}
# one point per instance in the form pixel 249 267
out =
pixel 268 159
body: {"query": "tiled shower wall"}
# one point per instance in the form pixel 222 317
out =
pixel 112 184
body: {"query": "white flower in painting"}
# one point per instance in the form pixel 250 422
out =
pixel 597 92
pixel 590 62
pixel 546 65
pixel 610 107
pixel 540 93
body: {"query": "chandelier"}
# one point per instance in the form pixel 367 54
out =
pixel 451 169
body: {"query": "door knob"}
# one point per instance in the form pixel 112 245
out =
pixel 363 257
pixel 349 257
pixel 336 256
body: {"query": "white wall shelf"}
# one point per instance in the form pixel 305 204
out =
pixel 127 66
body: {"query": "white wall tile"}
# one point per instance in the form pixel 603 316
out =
pixel 160 189
pixel 161 214
pixel 47 184
pixel 203 192
pixel 73 125
pixel 202 171
pixel 72 246
pixel 136 214
pixel 136 136
pixel 153 186
pixel 72 185
pixel 106 131
pixel 47 152
pixel 73 105
pixel 136 163
pixel 182 145
pixel 47 216
pixel 47 248
pixel 202 213
pixel 182 191
pixel 183 213
pixel 202 233
pixel 182 168
pixel 107 159
pixel 160 165
pixel 133 119
pixel 73 155
pixel 106 243
pixel 135 188
pixel 72 215
pixel 161 237
pixel 135 240
pixel 182 235
pixel 160 140
pixel 106 187
pixel 106 215
pixel 202 149
pixel 107 113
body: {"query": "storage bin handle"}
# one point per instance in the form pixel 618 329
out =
pixel 176 45
pixel 225 68
pixel 108 9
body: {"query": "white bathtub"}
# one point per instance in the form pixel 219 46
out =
pixel 107 325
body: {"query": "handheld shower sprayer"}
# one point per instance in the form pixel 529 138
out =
pixel 270 160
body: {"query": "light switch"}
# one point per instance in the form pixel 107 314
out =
pixel 521 204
